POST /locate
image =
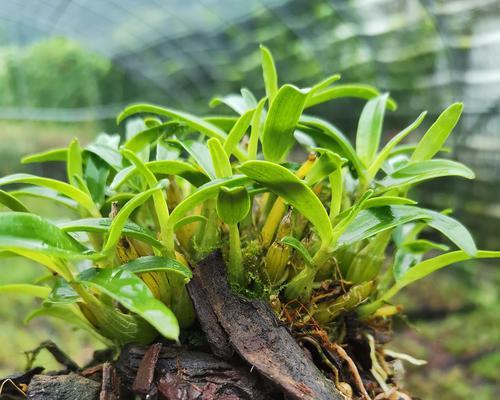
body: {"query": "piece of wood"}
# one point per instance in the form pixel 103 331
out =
pixel 259 338
pixel 216 336
pixel 145 373
pixel 63 387
pixel 110 388
pixel 190 375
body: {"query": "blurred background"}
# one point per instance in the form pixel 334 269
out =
pixel 67 67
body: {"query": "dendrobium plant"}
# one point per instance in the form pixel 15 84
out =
pixel 336 232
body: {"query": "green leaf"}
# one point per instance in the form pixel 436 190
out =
pixel 370 129
pixel 46 194
pixel 132 293
pixel 120 220
pixel 50 155
pixel 269 73
pixel 281 120
pixel 299 247
pixel 387 201
pixel 107 153
pixel 255 132
pixel 237 132
pixel 350 90
pixel 453 230
pixel 205 192
pixel 437 134
pixel 293 190
pixel 374 220
pixel 386 151
pixel 68 313
pixel 189 220
pixel 96 175
pixel 74 164
pixel 102 225
pixel 159 201
pixel 331 138
pixel 412 253
pixel 162 169
pixel 325 165
pixel 62 293
pixel 155 263
pixel 239 103
pixel 220 160
pixel 11 202
pixel 24 231
pixel 24 288
pixel 194 122
pixel 150 135
pixel 419 171
pixel 324 84
pixel 233 204
pixel 423 269
pixel 199 152
pixel 76 194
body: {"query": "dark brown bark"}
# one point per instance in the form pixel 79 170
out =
pixel 63 387
pixel 257 335
pixel 188 375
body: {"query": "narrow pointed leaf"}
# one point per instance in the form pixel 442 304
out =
pixel 374 220
pixel 150 135
pixel 234 101
pixel 349 90
pixel 325 165
pixel 436 136
pixel 335 142
pixel 74 164
pixel 155 263
pixel 76 194
pixel 102 225
pixel 50 155
pixel 46 194
pixel 429 266
pixel 387 201
pixel 269 73
pixel 255 132
pixel 189 220
pixel 107 153
pixel 415 172
pixel 388 148
pixel 24 288
pixel 281 120
pixel 299 247
pixel 453 230
pixel 23 231
pixel 412 253
pixel 162 169
pixel 132 293
pixel 370 129
pixel 119 222
pixel 237 132
pixel 96 175
pixel 194 122
pixel 220 160
pixel 199 152
pixel 11 202
pixel 293 190
pixel 62 293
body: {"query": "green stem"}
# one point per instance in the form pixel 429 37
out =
pixel 236 272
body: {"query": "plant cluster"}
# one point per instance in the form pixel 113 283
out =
pixel 301 214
